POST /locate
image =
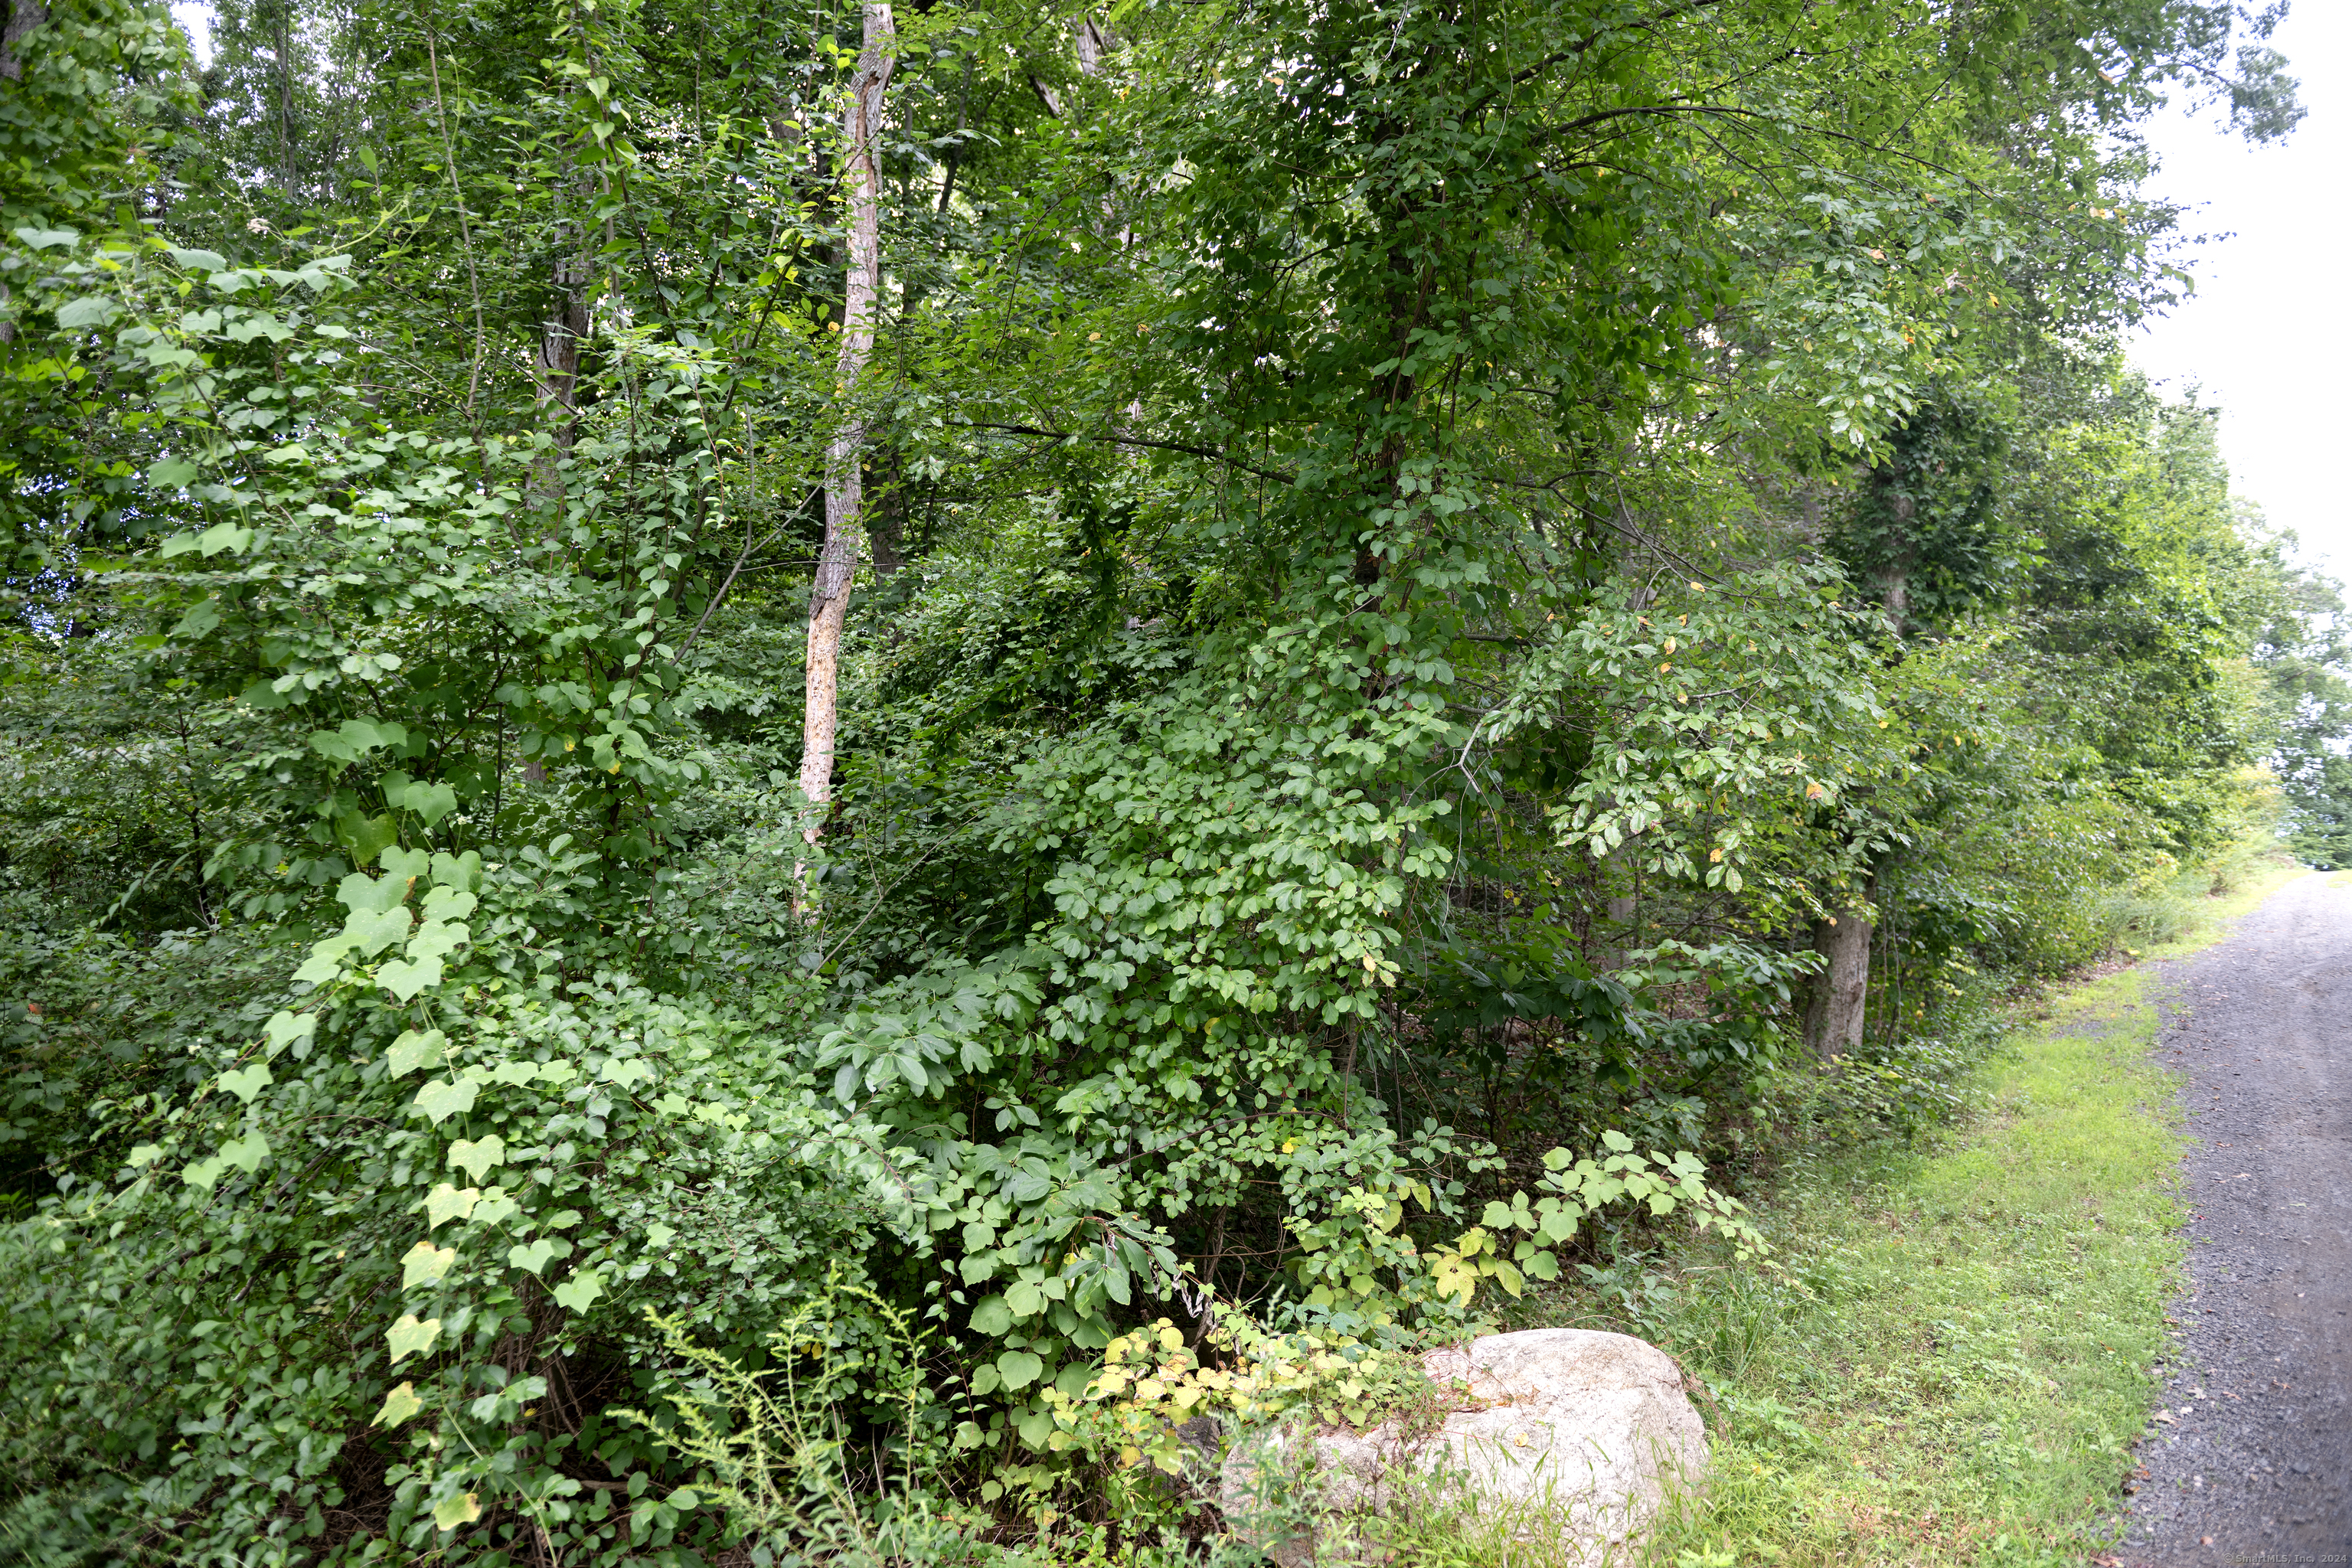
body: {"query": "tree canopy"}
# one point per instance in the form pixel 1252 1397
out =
pixel 1411 587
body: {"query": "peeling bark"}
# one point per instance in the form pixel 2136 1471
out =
pixel 844 486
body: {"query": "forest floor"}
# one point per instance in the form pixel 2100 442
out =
pixel 2250 1461
pixel 1961 1360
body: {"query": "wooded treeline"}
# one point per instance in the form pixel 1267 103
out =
pixel 917 688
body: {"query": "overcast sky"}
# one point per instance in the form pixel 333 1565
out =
pixel 2268 332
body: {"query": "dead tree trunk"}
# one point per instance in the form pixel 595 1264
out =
pixel 844 491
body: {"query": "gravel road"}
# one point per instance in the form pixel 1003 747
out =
pixel 2251 1459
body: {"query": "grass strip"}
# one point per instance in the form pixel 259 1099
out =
pixel 1960 1352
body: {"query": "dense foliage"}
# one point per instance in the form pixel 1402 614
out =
pixel 1452 598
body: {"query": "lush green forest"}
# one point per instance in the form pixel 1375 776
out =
pixel 766 766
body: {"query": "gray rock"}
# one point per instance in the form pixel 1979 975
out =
pixel 1562 1432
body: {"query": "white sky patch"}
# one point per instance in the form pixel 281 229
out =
pixel 195 19
pixel 2267 333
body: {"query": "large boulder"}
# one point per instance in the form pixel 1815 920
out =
pixel 1560 1432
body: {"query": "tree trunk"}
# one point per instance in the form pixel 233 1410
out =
pixel 844 491
pixel 555 365
pixel 23 15
pixel 1834 1017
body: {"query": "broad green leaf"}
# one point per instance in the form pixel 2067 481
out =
pixel 424 1264
pixel 446 1203
pixel 624 1070
pixel 222 536
pixel 480 1155
pixel 199 260
pixel 1018 1368
pixel 405 977
pixel 45 238
pixel 451 1512
pixel 399 1404
pixel 204 1173
pixel 407 1337
pixel 495 1207
pixel 372 931
pixel 246 1154
pixel 462 872
pixel 413 1049
pixel 171 473
pixel 363 894
pixel 284 1029
pixel 409 865
pixel 246 1082
pixel 443 1099
pixel 659 1234
pixel 536 1256
pixel 575 1293
pixel 203 617
pixel 366 837
pixel 437 939
pixel 992 1317
pixel 431 802
pixel 89 310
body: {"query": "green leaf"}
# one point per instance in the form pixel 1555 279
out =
pixel 1019 1369
pixel 408 1337
pixel 363 894
pixel 575 1293
pixel 246 1154
pixel 399 1404
pixel 437 939
pixel 45 238
pixel 658 1235
pixel 171 473
pixel 992 1317
pixel 366 837
pixel 89 310
pixel 446 1203
pixel 415 1049
pixel 199 260
pixel 372 931
pixel 405 977
pixel 462 872
pixel 537 1255
pixel 424 1264
pixel 431 802
pixel 441 1099
pixel 246 1082
pixel 203 616
pixel 222 536
pixel 284 1029
pixel 478 1155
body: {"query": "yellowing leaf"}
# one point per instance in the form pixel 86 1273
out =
pixel 442 1099
pixel 413 1050
pixel 247 1082
pixel 425 1263
pixel 478 1155
pixel 451 1512
pixel 408 1337
pixel 399 1404
pixel 446 1203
